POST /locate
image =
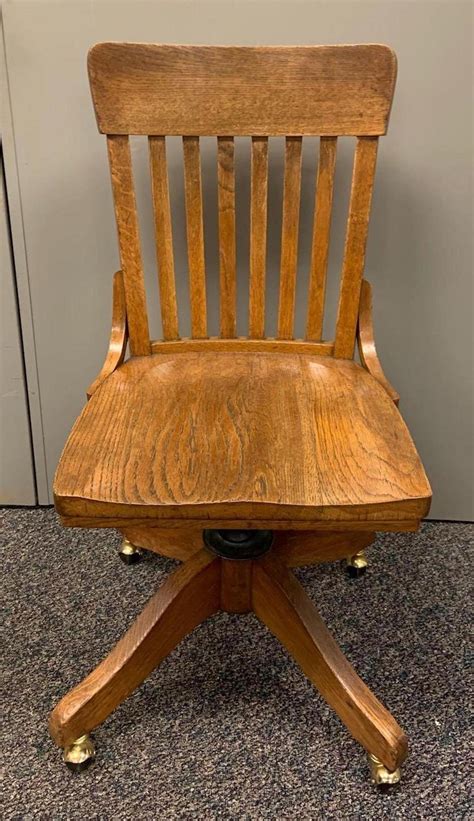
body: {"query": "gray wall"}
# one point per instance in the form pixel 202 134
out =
pixel 17 485
pixel 419 254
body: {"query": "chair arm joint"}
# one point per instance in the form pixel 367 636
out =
pixel 118 335
pixel 366 342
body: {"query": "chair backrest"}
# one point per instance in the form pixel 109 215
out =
pixel 258 92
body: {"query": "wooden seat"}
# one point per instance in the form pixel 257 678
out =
pixel 242 457
pixel 241 435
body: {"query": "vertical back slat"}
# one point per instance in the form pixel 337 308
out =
pixel 321 234
pixel 164 237
pixel 258 236
pixel 195 236
pixel 129 243
pixel 227 253
pixel 354 249
pixel 289 237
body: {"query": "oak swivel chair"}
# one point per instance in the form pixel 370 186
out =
pixel 241 457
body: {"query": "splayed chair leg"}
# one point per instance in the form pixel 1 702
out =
pixel 281 603
pixel 189 596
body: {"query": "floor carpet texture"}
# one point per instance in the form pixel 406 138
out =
pixel 228 727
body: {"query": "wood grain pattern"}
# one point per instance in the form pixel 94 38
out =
pixel 289 237
pixel 241 436
pixel 227 251
pixel 129 243
pixel 142 88
pixel 366 342
pixel 164 237
pixel 190 595
pixel 118 334
pixel 354 250
pixel 258 235
pixel 280 602
pixel 321 235
pixel 195 236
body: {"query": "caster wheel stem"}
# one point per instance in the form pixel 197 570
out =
pixel 380 776
pixel 130 554
pixel 357 565
pixel 79 754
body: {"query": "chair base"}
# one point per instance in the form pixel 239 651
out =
pixel 208 582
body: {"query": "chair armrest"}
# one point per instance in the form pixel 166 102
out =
pixel 118 335
pixel 366 342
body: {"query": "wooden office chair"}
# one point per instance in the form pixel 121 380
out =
pixel 241 457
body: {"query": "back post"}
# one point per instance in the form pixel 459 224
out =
pixel 129 243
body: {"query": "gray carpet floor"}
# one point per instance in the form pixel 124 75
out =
pixel 227 727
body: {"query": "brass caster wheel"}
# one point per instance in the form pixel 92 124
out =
pixel 357 565
pixel 380 776
pixel 79 754
pixel 129 553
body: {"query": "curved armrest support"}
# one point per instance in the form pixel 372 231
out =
pixel 118 335
pixel 366 341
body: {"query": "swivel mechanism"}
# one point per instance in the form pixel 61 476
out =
pixel 238 544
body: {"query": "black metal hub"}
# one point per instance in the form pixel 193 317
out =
pixel 238 544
